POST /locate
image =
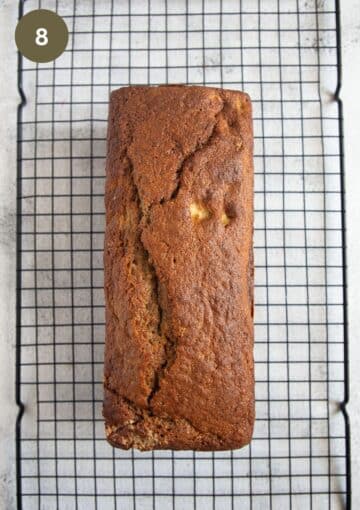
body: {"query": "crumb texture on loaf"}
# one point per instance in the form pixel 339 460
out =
pixel 179 269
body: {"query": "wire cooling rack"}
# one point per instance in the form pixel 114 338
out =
pixel 285 54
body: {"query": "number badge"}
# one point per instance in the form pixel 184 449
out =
pixel 41 35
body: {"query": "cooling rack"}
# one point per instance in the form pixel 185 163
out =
pixel 286 55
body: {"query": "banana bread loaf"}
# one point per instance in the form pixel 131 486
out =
pixel 179 269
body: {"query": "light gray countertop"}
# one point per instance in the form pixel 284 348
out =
pixel 351 100
pixel 8 107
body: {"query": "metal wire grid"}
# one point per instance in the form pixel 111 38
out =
pixel 284 55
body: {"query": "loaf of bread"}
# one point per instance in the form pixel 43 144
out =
pixel 179 269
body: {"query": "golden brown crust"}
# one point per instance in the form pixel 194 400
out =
pixel 179 269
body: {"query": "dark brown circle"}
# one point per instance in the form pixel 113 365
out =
pixel 41 35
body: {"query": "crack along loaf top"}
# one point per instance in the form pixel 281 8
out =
pixel 179 269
